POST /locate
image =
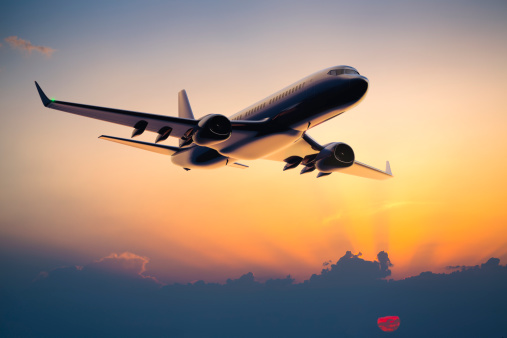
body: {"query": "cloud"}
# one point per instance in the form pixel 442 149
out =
pixel 491 265
pixel 385 262
pixel 333 218
pixel 353 269
pixel 126 264
pixel 398 204
pixel 27 46
pixel 113 296
pixel 280 282
pixel 123 265
pixel 326 263
pixel 245 281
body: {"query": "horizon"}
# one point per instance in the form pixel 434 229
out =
pixel 326 267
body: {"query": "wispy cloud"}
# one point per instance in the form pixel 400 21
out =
pixel 398 204
pixel 333 218
pixel 27 46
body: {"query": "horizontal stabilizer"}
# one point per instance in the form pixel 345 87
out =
pixel 156 148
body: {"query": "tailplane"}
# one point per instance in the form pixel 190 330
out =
pixel 156 148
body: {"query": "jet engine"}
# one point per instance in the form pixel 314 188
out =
pixel 212 129
pixel 334 156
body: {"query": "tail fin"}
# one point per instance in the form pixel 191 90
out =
pixel 184 109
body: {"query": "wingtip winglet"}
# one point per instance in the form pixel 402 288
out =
pixel 388 169
pixel 45 100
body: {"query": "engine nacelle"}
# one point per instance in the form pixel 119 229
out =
pixel 334 156
pixel 212 129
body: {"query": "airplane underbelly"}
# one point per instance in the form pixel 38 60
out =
pixel 251 145
pixel 199 157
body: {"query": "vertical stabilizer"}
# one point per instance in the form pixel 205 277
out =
pixel 184 109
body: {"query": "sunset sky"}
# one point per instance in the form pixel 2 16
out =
pixel 436 109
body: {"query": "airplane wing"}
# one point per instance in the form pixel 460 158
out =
pixel 307 146
pixel 165 126
pixel 364 170
pixel 140 121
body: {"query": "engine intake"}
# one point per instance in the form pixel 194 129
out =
pixel 334 156
pixel 212 129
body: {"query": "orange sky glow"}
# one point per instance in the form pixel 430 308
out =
pixel 436 109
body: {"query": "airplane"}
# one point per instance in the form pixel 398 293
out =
pixel 273 128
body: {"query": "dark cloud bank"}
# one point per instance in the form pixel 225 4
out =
pixel 115 297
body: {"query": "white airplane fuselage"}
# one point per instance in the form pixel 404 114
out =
pixel 288 114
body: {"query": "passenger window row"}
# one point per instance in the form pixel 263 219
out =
pixel 288 92
pixel 248 113
pixel 284 94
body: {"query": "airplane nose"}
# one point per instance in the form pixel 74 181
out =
pixel 358 87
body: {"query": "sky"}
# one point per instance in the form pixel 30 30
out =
pixel 435 109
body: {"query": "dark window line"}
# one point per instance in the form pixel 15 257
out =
pixel 273 100
pixel 286 93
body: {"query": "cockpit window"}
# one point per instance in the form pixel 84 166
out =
pixel 341 71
